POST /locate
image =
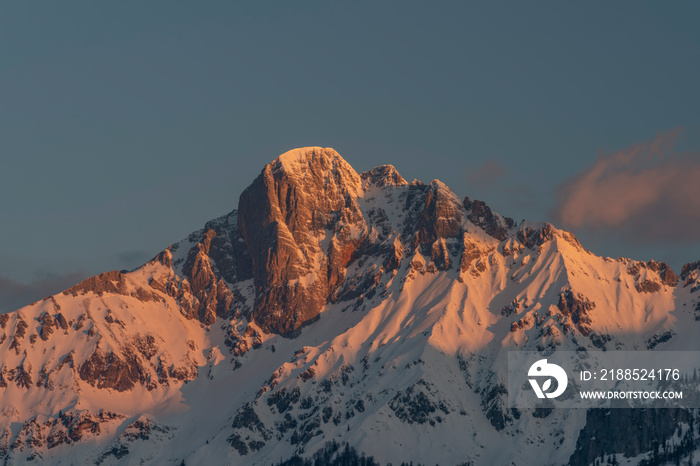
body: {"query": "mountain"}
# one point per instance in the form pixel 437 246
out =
pixel 334 307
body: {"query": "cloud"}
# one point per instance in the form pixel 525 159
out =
pixel 644 193
pixel 521 195
pixel 132 258
pixel 14 294
pixel 490 171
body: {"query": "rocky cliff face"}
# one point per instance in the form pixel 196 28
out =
pixel 302 225
pixel 334 306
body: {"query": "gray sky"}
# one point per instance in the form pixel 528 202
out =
pixel 124 126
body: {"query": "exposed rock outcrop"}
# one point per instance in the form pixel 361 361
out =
pixel 301 222
pixel 651 276
pixel 481 215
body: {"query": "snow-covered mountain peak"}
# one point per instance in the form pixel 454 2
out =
pixel 330 306
pixel 321 163
pixel 384 175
